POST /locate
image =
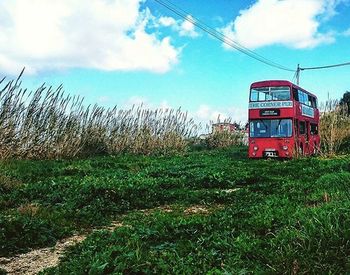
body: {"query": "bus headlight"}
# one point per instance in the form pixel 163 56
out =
pixel 285 147
pixel 255 148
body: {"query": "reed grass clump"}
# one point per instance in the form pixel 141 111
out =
pixel 49 124
pixel 334 127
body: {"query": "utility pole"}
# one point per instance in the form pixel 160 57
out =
pixel 298 74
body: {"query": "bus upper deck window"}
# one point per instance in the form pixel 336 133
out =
pixel 264 95
pixel 313 102
pixel 270 93
pixel 254 95
pixel 280 93
pixel 295 94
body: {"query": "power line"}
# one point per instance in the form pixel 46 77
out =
pixel 325 67
pixel 220 36
pixel 299 69
pixel 195 21
pixel 233 44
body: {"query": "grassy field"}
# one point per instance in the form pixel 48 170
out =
pixel 205 211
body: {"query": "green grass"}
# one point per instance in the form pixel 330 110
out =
pixel 287 216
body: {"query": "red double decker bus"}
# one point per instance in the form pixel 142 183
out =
pixel 283 120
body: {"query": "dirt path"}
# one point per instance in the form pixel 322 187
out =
pixel 37 260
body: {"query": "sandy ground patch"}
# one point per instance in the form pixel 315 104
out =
pixel 39 259
pixel 36 260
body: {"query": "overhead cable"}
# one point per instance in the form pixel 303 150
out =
pixel 220 36
pixel 325 67
pixel 234 44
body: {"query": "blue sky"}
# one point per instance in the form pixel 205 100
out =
pixel 124 52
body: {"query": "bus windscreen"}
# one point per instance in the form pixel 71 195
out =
pixel 266 128
pixel 270 93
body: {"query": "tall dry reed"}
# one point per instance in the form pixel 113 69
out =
pixel 334 127
pixel 48 123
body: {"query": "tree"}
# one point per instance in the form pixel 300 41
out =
pixel 346 101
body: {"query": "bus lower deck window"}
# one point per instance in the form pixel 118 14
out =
pixel 302 127
pixel 313 129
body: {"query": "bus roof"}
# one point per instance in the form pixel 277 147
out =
pixel 267 83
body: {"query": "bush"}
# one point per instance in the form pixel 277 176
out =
pixel 224 139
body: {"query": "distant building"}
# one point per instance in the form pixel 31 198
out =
pixel 223 127
pixel 203 136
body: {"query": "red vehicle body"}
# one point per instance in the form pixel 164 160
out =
pixel 283 120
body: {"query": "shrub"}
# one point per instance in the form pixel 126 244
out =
pixel 224 139
pixel 222 134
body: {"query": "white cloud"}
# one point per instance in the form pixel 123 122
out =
pixel 144 102
pixel 330 7
pixel 136 101
pixel 187 28
pixel 206 113
pixel 167 21
pixel 294 23
pixel 184 28
pixel 164 105
pixel 347 32
pixel 99 34
pixel 103 99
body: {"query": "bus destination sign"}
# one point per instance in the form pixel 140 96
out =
pixel 270 112
pixel 271 104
